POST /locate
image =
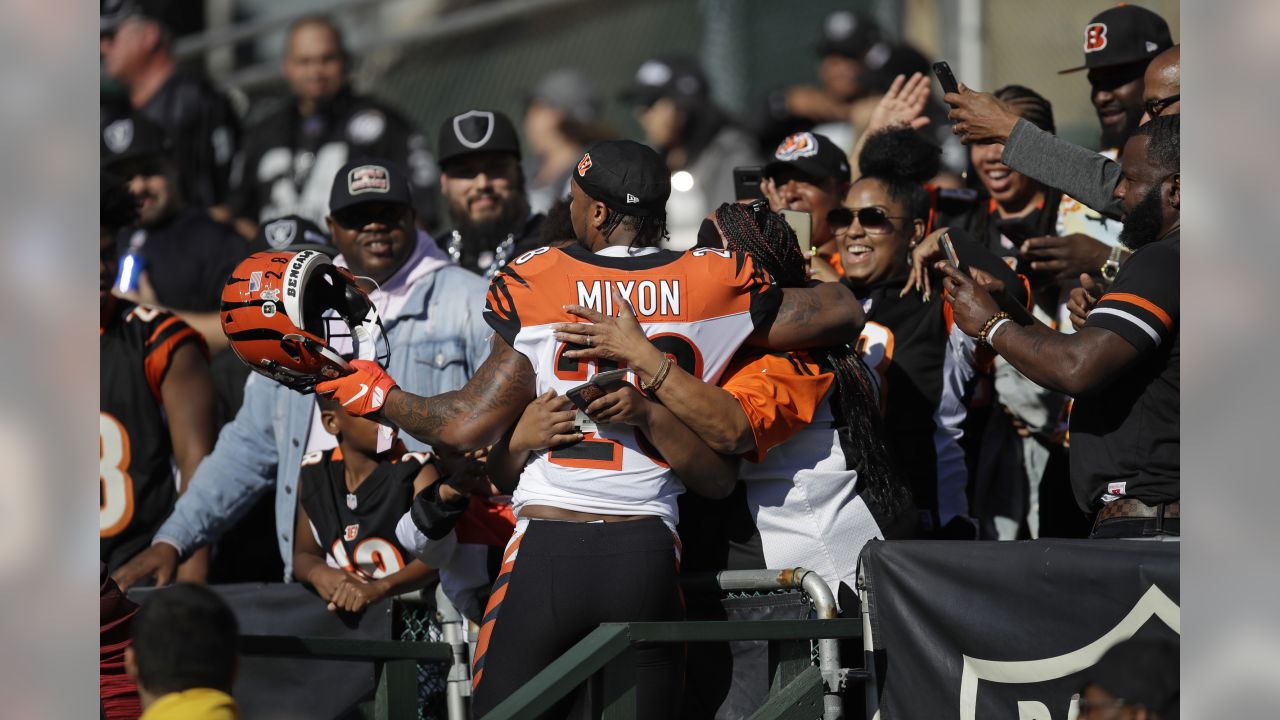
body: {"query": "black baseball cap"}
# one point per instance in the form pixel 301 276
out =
pixel 111 13
pixel 886 61
pixel 369 180
pixel 293 233
pixel 669 76
pixel 626 176
pixel 1122 35
pixel 131 138
pixel 811 153
pixel 848 33
pixel 477 131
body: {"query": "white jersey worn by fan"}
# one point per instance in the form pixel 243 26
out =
pixel 698 306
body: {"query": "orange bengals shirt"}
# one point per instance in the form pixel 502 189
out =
pixel 780 393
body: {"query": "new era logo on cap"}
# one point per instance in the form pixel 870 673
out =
pixel 584 164
pixel 368 178
pixel 632 199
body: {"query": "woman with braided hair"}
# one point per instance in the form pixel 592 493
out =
pixel 819 483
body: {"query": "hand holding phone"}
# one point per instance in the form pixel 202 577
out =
pixel 802 224
pixel 950 249
pixel 945 77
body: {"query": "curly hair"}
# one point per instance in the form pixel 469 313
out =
pixel 772 245
pixel 902 161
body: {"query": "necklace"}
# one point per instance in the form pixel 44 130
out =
pixel 500 255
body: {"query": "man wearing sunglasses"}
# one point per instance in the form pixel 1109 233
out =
pixel 431 311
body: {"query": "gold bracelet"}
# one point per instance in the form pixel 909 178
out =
pixel 982 336
pixel 654 383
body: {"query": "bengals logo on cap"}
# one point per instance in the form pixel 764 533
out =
pixel 799 145
pixel 584 164
pixel 1095 37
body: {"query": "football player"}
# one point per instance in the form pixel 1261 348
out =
pixel 156 405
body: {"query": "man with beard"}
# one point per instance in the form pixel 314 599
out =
pixel 290 158
pixel 1134 71
pixel 483 186
pixel 1123 365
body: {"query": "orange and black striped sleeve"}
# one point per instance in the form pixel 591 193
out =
pixel 165 335
pixel 1142 305
pixel 778 392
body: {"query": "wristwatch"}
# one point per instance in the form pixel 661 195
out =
pixel 1111 267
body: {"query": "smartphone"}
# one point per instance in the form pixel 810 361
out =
pixel 945 77
pixel 746 182
pixel 802 224
pixel 947 247
pixel 594 389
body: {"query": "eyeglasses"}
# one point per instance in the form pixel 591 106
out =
pixel 1155 107
pixel 873 219
pixel 360 216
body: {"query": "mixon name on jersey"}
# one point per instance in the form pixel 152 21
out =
pixel 649 298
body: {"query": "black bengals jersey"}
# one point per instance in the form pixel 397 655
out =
pixel 136 473
pixel 358 529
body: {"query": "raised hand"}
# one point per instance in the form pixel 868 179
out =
pixel 979 117
pixel 902 105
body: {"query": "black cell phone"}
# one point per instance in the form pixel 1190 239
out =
pixel 950 250
pixel 945 77
pixel 594 389
pixel 746 182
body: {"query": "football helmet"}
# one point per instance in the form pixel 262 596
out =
pixel 282 310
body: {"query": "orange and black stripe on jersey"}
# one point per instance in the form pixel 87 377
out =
pixel 1142 305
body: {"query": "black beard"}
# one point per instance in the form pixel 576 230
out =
pixel 488 234
pixel 1117 138
pixel 1143 225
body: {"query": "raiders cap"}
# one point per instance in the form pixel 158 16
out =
pixel 848 33
pixel 812 154
pixel 477 131
pixel 626 176
pixel 111 13
pixel 293 233
pixel 1122 35
pixel 671 76
pixel 369 180
pixel 131 138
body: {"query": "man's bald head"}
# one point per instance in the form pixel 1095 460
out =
pixel 1162 82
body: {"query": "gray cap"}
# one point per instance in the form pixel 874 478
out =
pixel 571 92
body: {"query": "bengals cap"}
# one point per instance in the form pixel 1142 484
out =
pixel 626 176
pixel 1122 35
pixel 369 180
pixel 476 131
pixel 812 154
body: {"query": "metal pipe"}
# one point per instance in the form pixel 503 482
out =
pixel 824 604
pixel 455 633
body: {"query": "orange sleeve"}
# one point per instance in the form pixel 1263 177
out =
pixel 170 334
pixel 833 259
pixel 779 394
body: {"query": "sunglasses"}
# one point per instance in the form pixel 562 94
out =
pixel 872 219
pixel 360 216
pixel 1155 107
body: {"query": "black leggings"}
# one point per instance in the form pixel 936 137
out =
pixel 558 582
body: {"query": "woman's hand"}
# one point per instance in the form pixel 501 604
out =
pixel 547 422
pixel 772 195
pixel 923 256
pixel 903 105
pixel 821 270
pixel 619 339
pixel 622 404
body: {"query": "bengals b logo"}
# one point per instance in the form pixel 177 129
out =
pixel 584 164
pixel 797 145
pixel 1095 37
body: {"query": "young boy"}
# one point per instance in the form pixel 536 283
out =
pixel 350 499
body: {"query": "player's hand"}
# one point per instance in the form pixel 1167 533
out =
pixel 971 305
pixel 1082 300
pixel 546 422
pixel 361 392
pixel 903 105
pixel 923 256
pixel 619 339
pixel 772 195
pixel 622 404
pixel 980 117
pixel 160 561
pixel 1066 256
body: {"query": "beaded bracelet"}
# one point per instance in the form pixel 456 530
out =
pixel 991 323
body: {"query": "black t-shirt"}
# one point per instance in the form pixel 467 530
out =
pixel 1125 436
pixel 358 529
pixel 188 259
pixel 204 130
pixel 137 486
pixel 289 162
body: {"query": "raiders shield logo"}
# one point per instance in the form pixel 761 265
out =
pixel 584 164
pixel 368 178
pixel 118 136
pixel 1095 37
pixel 280 233
pixel 798 145
pixel 473 129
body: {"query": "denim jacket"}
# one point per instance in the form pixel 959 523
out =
pixel 437 342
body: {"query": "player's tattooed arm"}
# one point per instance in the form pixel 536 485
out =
pixel 475 416
pixel 819 316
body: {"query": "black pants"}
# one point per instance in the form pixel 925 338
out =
pixel 558 582
pixel 1136 528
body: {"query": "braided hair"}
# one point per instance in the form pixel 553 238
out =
pixel 647 231
pixel 772 245
pixel 1030 106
